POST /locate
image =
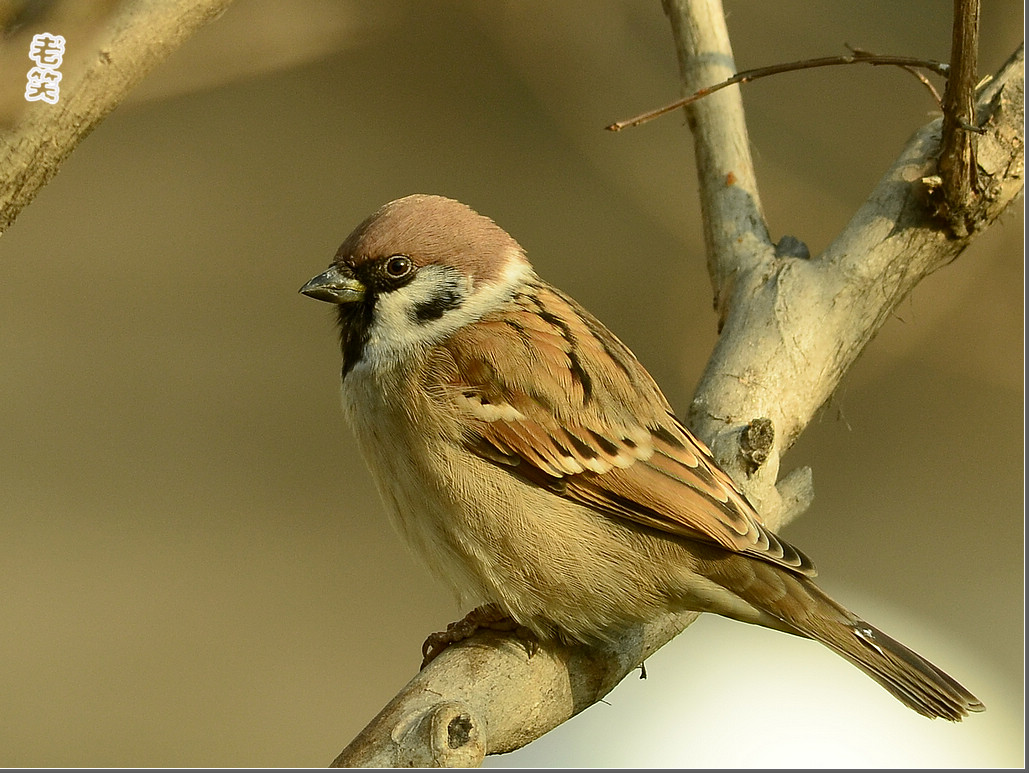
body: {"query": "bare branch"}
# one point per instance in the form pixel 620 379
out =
pixel 746 76
pixel 943 69
pixel 138 38
pixel 957 156
pixel 803 322
pixel 735 233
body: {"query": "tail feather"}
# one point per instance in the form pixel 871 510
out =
pixel 908 676
pixel 794 603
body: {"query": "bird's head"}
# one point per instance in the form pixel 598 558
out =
pixel 418 269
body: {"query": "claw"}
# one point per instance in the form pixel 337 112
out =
pixel 488 616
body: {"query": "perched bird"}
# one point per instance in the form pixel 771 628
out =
pixel 535 465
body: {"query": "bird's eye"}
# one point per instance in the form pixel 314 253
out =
pixel 399 266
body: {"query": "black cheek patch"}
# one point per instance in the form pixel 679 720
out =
pixel 445 300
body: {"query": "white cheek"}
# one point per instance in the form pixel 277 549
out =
pixel 396 332
pixel 396 329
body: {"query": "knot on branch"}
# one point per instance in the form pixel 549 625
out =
pixel 448 735
pixel 756 441
pixel 993 152
pixel 792 247
pixel 750 455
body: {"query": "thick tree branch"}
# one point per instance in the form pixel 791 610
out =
pixel 735 233
pixel 792 327
pixel 802 322
pixel 139 36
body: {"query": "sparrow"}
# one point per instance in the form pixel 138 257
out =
pixel 534 464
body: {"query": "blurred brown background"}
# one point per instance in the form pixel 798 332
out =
pixel 194 567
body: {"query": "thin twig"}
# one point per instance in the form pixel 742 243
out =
pixel 957 151
pixel 857 57
pixel 925 82
pixel 918 76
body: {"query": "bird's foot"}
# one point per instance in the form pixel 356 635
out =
pixel 488 616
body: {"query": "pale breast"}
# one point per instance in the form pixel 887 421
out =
pixel 407 466
pixel 491 536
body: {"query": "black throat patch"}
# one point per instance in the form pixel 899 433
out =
pixel 354 322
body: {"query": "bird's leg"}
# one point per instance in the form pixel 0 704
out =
pixel 488 616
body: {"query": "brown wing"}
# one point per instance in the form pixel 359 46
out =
pixel 592 426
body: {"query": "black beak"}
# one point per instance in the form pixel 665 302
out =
pixel 335 286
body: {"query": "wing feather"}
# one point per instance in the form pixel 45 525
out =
pixel 592 426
